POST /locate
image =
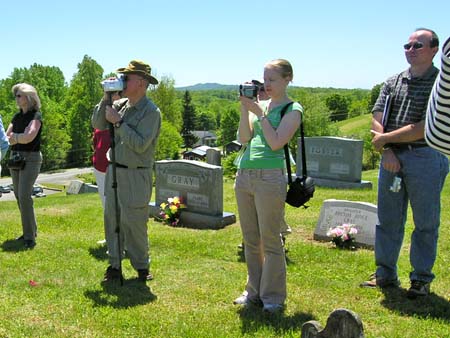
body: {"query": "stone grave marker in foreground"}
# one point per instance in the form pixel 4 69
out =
pixel 341 323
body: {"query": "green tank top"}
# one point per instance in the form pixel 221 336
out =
pixel 258 154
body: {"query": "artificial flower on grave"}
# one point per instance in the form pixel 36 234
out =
pixel 343 236
pixel 170 211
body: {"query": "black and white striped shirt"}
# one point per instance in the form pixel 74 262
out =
pixel 437 125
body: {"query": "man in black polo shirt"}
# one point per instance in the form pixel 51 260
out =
pixel 418 170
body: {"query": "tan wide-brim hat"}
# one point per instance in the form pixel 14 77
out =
pixel 139 68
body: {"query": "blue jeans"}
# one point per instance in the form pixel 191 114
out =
pixel 423 172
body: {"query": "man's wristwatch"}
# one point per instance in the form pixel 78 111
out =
pixel 262 117
pixel 118 123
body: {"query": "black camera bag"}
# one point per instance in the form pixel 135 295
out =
pixel 16 161
pixel 302 189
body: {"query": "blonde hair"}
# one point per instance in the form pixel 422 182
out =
pixel 283 67
pixel 30 93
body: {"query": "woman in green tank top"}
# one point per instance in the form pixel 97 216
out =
pixel 260 186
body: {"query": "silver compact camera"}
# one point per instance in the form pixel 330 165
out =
pixel 117 84
pixel 249 90
pixel 396 184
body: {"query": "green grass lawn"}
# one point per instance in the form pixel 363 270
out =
pixel 197 274
pixel 354 125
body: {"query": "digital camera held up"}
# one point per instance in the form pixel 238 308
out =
pixel 251 90
pixel 117 84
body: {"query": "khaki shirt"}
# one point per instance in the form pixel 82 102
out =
pixel 136 138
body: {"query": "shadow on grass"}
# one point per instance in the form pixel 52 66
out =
pixel 13 245
pixel 99 252
pixel 131 293
pixel 253 319
pixel 432 305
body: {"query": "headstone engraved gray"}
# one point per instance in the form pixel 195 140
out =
pixel 79 187
pixel 337 212
pixel 333 161
pixel 200 187
pixel 341 323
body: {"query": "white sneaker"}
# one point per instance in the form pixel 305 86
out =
pixel 246 301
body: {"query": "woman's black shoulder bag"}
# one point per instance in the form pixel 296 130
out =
pixel 302 188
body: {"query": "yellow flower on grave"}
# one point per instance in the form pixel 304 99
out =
pixel 170 210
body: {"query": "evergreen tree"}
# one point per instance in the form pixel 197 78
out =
pixel 188 121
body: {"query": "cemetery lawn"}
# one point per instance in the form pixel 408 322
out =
pixel 55 291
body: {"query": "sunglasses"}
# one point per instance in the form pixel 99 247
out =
pixel 18 95
pixel 415 45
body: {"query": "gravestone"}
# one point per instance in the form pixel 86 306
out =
pixel 213 156
pixel 79 187
pixel 337 212
pixel 200 187
pixel 341 323
pixel 333 162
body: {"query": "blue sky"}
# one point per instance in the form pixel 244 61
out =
pixel 341 44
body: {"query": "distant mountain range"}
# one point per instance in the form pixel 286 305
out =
pixel 208 86
pixel 218 86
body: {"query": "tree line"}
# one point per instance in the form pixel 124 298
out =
pixel 67 108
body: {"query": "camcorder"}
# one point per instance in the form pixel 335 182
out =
pixel 117 84
pixel 251 90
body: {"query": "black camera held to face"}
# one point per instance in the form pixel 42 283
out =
pixel 117 84
pixel 251 90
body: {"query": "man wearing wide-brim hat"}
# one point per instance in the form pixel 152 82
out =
pixel 137 122
pixel 139 68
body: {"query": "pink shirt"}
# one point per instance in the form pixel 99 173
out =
pixel 102 143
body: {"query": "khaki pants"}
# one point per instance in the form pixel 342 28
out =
pixel 134 188
pixel 260 195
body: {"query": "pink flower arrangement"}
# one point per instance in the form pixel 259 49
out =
pixel 343 236
pixel 170 211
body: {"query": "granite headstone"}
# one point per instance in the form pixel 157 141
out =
pixel 337 212
pixel 200 187
pixel 79 187
pixel 333 161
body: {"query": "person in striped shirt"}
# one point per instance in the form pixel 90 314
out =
pixel 437 125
